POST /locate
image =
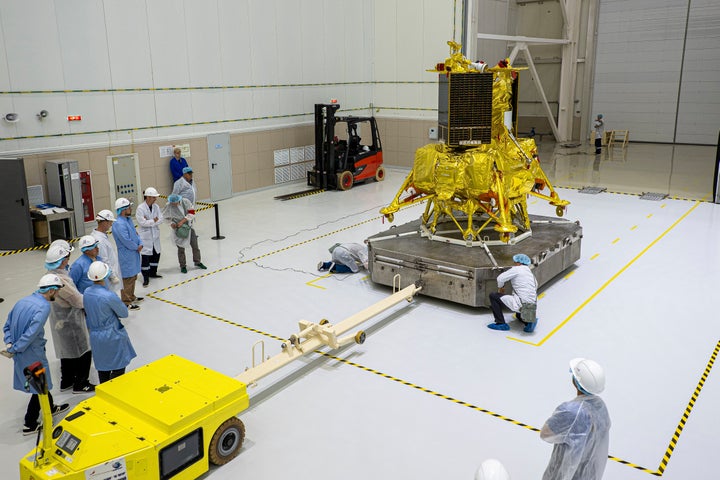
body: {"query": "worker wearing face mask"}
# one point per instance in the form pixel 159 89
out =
pixel 67 324
pixel 24 336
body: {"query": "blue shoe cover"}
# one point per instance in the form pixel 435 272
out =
pixel 499 326
pixel 530 327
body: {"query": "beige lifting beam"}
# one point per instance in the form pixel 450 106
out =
pixel 315 335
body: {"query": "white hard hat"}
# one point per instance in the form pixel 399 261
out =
pixel 121 202
pixel 56 253
pixel 105 215
pixel 151 192
pixel 64 244
pixel 589 375
pixel 50 280
pixel 98 271
pixel 492 469
pixel 87 242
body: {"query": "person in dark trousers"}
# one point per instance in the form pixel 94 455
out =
pixel 522 301
pixel 67 324
pixel 24 337
pixel 599 128
pixel 110 342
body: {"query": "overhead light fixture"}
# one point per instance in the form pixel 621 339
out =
pixel 11 117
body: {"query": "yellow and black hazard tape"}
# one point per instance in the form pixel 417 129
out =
pixel 254 259
pixel 74 240
pixel 688 410
pixel 215 317
pixel 432 392
pixel 304 194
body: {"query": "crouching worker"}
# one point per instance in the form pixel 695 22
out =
pixel 346 258
pixel 522 301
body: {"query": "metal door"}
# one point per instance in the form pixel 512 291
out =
pixel 17 229
pixel 220 166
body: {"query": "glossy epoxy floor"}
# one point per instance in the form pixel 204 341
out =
pixel 433 392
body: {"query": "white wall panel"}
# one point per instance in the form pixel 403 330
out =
pixel 699 109
pixel 313 38
pixel 288 29
pixel 640 44
pixel 128 44
pixel 234 30
pixel 335 45
pixel 134 109
pixel 203 43
pixel 168 43
pixel 173 107
pixel 4 73
pixel 264 49
pixel 30 106
pixel 34 58
pixel 97 111
pixel 238 103
pixel 207 105
pixel 83 43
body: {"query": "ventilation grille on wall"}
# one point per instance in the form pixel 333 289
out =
pixel 293 163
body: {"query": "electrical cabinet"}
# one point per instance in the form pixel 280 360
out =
pixel 65 190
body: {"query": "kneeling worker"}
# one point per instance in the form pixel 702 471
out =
pixel 523 300
pixel 346 258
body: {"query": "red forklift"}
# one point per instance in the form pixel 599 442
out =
pixel 343 158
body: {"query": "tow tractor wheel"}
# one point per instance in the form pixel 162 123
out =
pixel 324 321
pixel 226 442
pixel 345 180
pixel 559 211
pixel 380 174
pixel 360 337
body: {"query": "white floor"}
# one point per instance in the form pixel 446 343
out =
pixel 433 392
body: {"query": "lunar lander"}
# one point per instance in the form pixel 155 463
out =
pixel 475 184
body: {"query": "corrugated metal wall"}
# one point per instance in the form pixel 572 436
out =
pixel 658 69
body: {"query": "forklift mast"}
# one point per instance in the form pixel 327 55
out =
pixel 324 143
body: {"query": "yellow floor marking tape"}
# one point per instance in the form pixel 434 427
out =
pixel 311 283
pixel 608 282
pixel 615 241
pixel 594 256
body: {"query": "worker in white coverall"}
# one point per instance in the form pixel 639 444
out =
pixel 346 258
pixel 580 428
pixel 522 301
pixel 67 324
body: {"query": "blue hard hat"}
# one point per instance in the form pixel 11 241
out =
pixel 521 258
pixel 600 115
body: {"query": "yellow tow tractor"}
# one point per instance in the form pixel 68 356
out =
pixel 170 418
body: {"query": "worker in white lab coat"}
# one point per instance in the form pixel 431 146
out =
pixel 185 187
pixel 107 252
pixel 149 217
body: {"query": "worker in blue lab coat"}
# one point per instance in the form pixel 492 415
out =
pixel 24 337
pixel 110 342
pixel 129 247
